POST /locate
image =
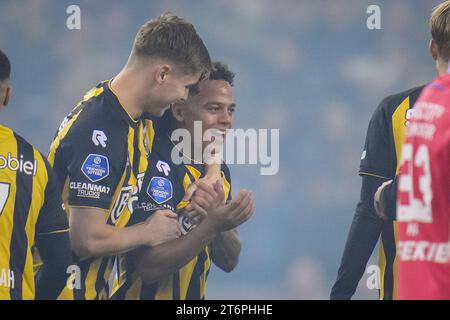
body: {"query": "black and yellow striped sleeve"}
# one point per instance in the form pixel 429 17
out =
pixel 52 240
pixel 92 172
pixel 24 178
pixel 52 217
pixel 23 202
pixel 379 158
pixel 51 233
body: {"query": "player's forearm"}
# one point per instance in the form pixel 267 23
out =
pixel 362 239
pixel 155 262
pixel 106 240
pixel 55 252
pixel 226 248
pixel 50 280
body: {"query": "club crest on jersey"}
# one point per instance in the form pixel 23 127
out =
pixel 160 189
pixel 95 167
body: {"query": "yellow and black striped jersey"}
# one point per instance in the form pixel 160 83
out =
pixel 382 150
pixel 164 187
pixel 30 206
pixel 100 156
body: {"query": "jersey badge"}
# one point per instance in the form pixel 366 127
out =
pixel 160 189
pixel 95 167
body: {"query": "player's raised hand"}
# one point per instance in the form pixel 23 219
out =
pixel 205 199
pixel 162 226
pixel 227 217
pixel 202 194
pixel 212 175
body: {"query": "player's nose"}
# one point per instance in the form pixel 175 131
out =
pixel 226 118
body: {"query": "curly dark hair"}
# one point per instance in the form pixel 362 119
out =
pixel 220 71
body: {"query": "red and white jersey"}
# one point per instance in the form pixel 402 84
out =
pixel 423 199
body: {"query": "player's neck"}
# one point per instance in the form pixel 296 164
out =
pixel 122 86
pixel 442 68
pixel 446 67
pixel 194 156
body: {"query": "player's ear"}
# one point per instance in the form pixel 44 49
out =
pixel 7 96
pixel 162 72
pixel 433 49
pixel 178 110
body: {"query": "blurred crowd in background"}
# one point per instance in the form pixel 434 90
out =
pixel 309 68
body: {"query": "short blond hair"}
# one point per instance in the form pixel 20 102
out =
pixel 440 28
pixel 172 37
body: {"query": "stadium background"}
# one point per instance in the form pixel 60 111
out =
pixel 310 68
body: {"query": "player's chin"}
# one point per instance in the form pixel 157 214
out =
pixel 159 111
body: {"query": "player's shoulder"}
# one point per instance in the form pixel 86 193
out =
pixel 390 103
pixel 6 134
pixel 97 109
pixel 99 119
pixel 27 152
pixel 436 95
pixel 92 101
pixel 439 88
pixel 21 142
